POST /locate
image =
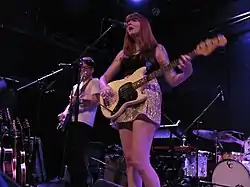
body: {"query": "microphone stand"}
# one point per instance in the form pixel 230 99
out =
pixel 196 121
pixel 76 104
pixel 74 107
pixel 39 81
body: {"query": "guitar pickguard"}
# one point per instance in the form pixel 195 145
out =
pixel 126 93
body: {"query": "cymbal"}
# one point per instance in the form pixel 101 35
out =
pixel 213 135
pixel 234 132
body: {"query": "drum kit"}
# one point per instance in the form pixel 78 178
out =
pixel 184 165
pixel 231 169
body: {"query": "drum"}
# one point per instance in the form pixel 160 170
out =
pixel 230 173
pixel 190 169
pixel 231 156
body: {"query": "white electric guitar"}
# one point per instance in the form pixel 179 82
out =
pixel 128 91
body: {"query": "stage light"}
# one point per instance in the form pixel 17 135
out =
pixel 137 1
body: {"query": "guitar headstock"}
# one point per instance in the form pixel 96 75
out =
pixel 26 123
pixel 19 123
pixel 206 47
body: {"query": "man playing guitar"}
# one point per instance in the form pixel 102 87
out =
pixel 78 132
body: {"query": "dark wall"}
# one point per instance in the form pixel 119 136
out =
pixel 28 56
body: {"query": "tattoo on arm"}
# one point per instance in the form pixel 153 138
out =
pixel 164 60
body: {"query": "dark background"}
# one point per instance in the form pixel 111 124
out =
pixel 35 36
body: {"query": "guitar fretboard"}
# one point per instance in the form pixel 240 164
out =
pixel 160 72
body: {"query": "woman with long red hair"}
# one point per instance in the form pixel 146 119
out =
pixel 138 123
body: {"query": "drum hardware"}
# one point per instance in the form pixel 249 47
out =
pixel 232 156
pixel 197 122
pixel 246 147
pixel 212 135
pixel 217 137
pixel 213 184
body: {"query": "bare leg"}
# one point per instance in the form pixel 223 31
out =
pixel 143 132
pixel 134 179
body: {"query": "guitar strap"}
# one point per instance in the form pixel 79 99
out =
pixel 71 108
pixel 84 86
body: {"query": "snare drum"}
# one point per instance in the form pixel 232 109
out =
pixel 190 169
pixel 230 173
pixel 231 156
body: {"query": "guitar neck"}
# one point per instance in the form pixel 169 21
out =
pixel 160 72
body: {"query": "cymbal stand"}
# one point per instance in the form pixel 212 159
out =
pixel 213 184
pixel 218 146
pixel 197 122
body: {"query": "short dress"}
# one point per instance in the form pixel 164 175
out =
pixel 152 106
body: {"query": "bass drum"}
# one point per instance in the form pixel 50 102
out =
pixel 230 173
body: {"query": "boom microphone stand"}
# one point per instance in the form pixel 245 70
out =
pixel 74 107
pixel 39 81
pixel 196 121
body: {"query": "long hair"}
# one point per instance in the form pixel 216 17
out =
pixel 146 38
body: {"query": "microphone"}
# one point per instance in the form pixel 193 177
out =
pixel 118 23
pixel 65 65
pixel 70 64
pixel 9 79
pixel 221 93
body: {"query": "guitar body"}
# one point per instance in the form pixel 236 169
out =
pixel 14 168
pixel 128 91
pixel 8 162
pixel 125 95
pixel 23 169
